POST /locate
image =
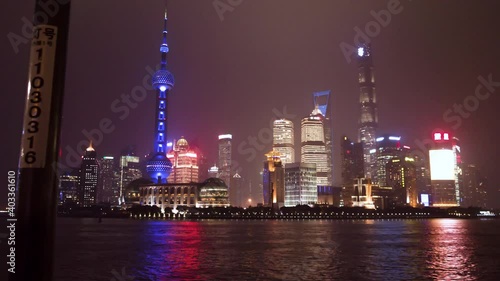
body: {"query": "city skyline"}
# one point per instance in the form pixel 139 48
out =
pixel 72 131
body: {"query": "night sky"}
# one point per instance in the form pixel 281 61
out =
pixel 264 55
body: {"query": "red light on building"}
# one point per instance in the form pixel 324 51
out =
pixel 446 136
pixel 437 136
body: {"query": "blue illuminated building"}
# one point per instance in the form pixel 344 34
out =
pixel 159 167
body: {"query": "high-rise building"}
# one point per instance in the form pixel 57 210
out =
pixel 237 194
pixel 473 187
pixel 313 149
pixel 368 121
pixel 185 163
pixel 352 160
pixel 352 165
pixel 129 170
pixel 225 158
pixel 68 187
pixel 402 177
pixel 89 177
pixel 283 140
pixel 388 147
pixel 443 171
pixel 109 185
pixel 423 177
pixel 159 167
pixel 203 165
pixel 457 156
pixel 273 181
pixel 300 184
pixel 322 102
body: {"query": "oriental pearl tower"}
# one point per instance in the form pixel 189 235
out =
pixel 159 167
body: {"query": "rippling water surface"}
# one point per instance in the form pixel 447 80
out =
pixel 120 249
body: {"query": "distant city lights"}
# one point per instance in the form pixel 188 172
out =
pixel 226 136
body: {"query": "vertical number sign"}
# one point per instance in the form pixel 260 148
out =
pixel 36 123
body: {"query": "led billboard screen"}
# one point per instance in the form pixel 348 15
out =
pixel 442 164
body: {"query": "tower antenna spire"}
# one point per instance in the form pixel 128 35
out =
pixel 164 46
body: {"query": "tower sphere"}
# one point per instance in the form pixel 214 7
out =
pixel 159 166
pixel 163 80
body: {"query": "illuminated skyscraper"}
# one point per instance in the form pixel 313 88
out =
pixel 159 167
pixel 402 177
pixel 388 147
pixel 185 163
pixel 283 140
pixel 237 195
pixel 473 191
pixel 368 121
pixel 322 102
pixel 108 181
pixel 443 171
pixel 89 176
pixel 273 181
pixel 225 158
pixel 313 150
pixel 68 187
pixel 129 170
pixel 300 184
pixel 457 156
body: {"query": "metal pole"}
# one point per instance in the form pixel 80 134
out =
pixel 37 189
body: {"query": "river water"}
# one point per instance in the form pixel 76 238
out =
pixel 127 249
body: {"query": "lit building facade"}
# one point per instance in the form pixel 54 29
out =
pixel 402 177
pixel 108 181
pixel 313 149
pixel 457 156
pixel 213 172
pixel 159 167
pixel 362 195
pixel 443 171
pixel 89 178
pixel 236 197
pixel 388 147
pixel 273 181
pixel 474 187
pixel 352 165
pixel 169 195
pixel 283 140
pixel 213 192
pixel 68 187
pixel 300 184
pixel 129 170
pixel 322 102
pixel 225 158
pixel 185 163
pixel 368 121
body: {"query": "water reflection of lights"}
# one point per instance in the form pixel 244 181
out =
pixel 174 250
pixel 450 251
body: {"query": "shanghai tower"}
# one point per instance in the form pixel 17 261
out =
pixel 159 167
pixel 368 121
